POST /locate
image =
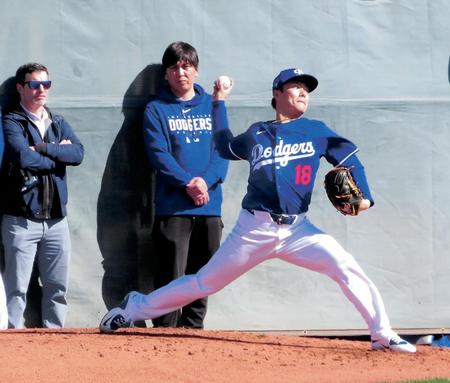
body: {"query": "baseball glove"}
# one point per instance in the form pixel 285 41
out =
pixel 342 190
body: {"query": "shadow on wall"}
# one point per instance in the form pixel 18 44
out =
pixel 9 99
pixel 125 202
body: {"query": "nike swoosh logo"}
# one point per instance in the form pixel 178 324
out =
pixel 186 110
pixel 260 132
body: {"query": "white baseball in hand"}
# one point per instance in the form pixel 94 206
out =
pixel 225 82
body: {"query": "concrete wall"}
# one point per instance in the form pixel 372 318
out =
pixel 383 70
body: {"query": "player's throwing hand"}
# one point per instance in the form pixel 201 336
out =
pixel 222 87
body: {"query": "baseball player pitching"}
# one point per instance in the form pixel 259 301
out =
pixel 284 156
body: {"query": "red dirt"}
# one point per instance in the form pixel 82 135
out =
pixel 179 355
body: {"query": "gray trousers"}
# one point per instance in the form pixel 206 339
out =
pixel 3 308
pixel 48 243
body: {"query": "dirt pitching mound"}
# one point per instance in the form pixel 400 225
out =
pixel 179 355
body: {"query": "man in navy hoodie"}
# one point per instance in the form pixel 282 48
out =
pixel 189 173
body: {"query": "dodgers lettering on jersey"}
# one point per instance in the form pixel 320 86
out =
pixel 284 159
pixel 282 153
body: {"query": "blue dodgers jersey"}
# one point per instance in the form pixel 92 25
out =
pixel 179 145
pixel 284 159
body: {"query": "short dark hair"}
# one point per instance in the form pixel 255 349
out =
pixel 179 51
pixel 28 68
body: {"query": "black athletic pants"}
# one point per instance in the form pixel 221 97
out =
pixel 183 245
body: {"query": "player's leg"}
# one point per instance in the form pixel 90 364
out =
pixel 53 260
pixel 20 239
pixel 171 236
pixel 309 247
pixel 320 252
pixel 250 243
pixel 205 240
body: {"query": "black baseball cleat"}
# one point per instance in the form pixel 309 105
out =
pixel 117 317
pixel 394 343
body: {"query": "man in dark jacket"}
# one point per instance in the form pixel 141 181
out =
pixel 38 147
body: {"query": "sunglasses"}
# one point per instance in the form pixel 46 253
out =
pixel 36 84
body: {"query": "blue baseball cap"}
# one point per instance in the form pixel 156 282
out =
pixel 294 74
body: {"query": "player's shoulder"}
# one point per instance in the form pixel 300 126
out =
pixel 317 127
pixel 311 126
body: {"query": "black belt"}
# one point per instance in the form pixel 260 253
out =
pixel 280 219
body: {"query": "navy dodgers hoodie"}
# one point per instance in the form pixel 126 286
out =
pixel 179 144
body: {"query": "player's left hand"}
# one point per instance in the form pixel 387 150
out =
pixel 343 191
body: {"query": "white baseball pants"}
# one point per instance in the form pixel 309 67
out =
pixel 254 239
